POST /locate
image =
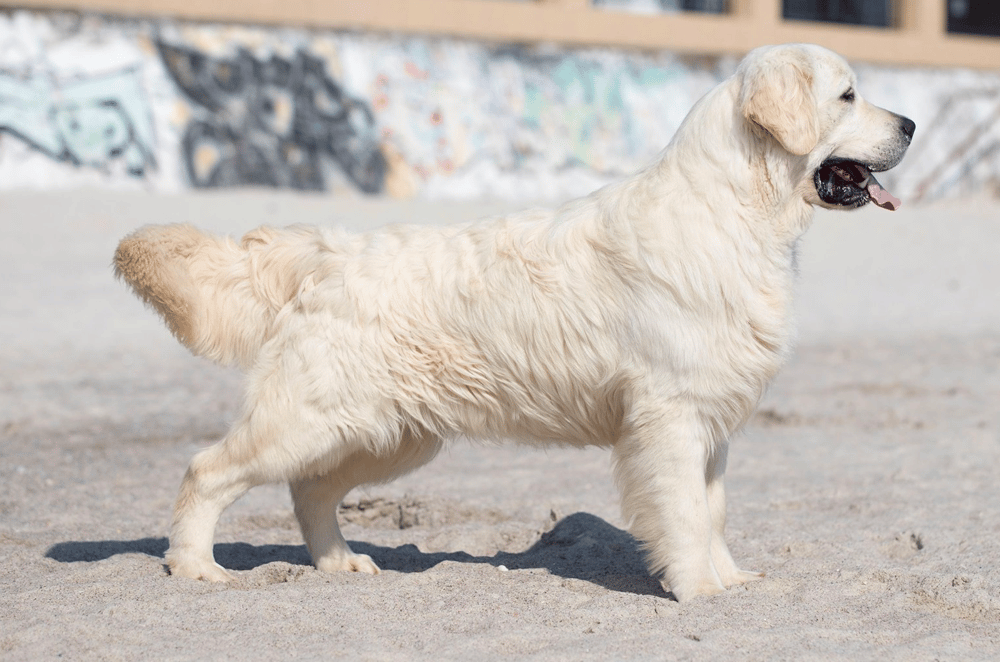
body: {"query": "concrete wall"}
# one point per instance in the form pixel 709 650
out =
pixel 167 106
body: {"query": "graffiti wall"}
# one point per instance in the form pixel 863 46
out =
pixel 270 122
pixel 167 106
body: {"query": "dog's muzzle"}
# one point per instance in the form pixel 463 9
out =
pixel 848 183
pixel 851 184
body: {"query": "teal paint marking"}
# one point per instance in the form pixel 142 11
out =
pixel 87 122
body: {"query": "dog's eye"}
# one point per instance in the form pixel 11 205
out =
pixel 848 96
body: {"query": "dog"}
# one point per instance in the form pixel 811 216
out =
pixel 648 317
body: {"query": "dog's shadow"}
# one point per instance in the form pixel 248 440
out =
pixel 581 546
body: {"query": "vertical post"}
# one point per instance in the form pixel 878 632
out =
pixel 764 15
pixel 926 18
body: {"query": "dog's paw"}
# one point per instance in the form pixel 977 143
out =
pixel 684 592
pixel 198 569
pixel 739 577
pixel 350 562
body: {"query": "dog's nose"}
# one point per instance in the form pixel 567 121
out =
pixel 907 126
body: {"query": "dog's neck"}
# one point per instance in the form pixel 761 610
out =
pixel 750 171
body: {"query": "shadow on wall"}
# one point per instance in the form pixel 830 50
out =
pixel 269 122
pixel 580 546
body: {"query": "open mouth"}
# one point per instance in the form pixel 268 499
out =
pixel 848 183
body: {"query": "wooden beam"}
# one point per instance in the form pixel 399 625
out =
pixel 920 38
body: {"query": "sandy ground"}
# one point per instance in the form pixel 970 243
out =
pixel 866 488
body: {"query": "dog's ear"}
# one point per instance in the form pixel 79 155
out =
pixel 777 95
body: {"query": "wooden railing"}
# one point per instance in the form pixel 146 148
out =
pixel 918 38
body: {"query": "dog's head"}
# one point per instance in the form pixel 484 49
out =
pixel 805 98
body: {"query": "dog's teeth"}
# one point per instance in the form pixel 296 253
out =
pixel 841 173
pixel 866 176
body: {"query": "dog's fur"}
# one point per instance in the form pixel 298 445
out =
pixel 648 317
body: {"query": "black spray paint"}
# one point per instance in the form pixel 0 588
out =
pixel 269 122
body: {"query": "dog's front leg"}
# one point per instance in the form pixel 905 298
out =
pixel 660 468
pixel 729 573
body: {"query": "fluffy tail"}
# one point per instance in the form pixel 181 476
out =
pixel 219 298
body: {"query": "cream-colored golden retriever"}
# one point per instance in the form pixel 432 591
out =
pixel 648 317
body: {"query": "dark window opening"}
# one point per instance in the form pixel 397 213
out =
pixel 707 6
pixel 657 6
pixel 974 17
pixel 854 12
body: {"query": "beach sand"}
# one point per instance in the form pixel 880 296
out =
pixel 866 487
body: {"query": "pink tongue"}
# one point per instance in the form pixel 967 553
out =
pixel 881 197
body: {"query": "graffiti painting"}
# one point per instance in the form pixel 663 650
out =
pixel 964 136
pixel 270 122
pixel 89 121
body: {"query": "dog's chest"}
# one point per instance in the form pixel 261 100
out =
pixel 752 348
pixel 720 350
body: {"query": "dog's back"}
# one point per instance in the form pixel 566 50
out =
pixel 498 328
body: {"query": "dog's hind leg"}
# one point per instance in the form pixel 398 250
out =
pixel 317 498
pixel 213 481
pixel 289 429
pixel 721 557
pixel 255 451
pixel 660 469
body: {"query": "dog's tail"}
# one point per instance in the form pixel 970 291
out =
pixel 219 298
